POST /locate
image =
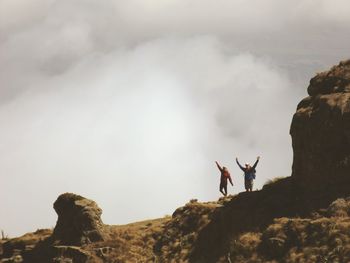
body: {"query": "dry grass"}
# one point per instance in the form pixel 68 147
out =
pixel 180 234
pixel 244 247
pixel 168 239
pixel 324 236
pixel 320 238
pixel 12 250
pixel 24 242
pixel 130 243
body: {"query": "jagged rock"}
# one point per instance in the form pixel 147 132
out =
pixel 337 79
pixel 320 130
pixel 79 221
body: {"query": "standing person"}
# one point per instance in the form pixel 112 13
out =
pixel 225 174
pixel 249 174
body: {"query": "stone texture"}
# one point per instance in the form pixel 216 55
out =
pixel 79 221
pixel 26 242
pixel 320 130
pixel 65 254
pixel 337 79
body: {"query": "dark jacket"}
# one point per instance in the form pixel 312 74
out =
pixel 249 174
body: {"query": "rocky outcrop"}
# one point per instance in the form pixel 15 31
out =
pixel 79 221
pixel 78 226
pixel 335 80
pixel 320 131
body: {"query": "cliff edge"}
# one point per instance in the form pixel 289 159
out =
pixel 320 131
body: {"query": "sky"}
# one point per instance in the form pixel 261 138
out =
pixel 130 103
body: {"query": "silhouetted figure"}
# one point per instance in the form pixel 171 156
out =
pixel 225 174
pixel 249 174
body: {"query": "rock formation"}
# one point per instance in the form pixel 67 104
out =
pixel 79 221
pixel 78 226
pixel 320 131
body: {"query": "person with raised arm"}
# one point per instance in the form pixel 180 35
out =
pixel 249 174
pixel 225 175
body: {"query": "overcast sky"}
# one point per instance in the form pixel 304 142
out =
pixel 129 103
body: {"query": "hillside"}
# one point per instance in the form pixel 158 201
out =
pixel 301 218
pixel 322 237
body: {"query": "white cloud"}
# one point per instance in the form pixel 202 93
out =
pixel 136 126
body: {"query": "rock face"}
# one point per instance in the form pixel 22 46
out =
pixel 79 221
pixel 320 131
pixel 335 80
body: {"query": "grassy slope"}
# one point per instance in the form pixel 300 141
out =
pixel 168 239
pixel 253 212
pixel 132 242
pixel 245 228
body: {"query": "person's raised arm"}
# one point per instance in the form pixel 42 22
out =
pixel 256 162
pixel 218 165
pixel 240 166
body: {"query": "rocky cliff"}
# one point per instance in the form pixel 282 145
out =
pixel 320 131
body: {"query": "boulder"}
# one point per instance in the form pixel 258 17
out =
pixel 79 221
pixel 320 131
